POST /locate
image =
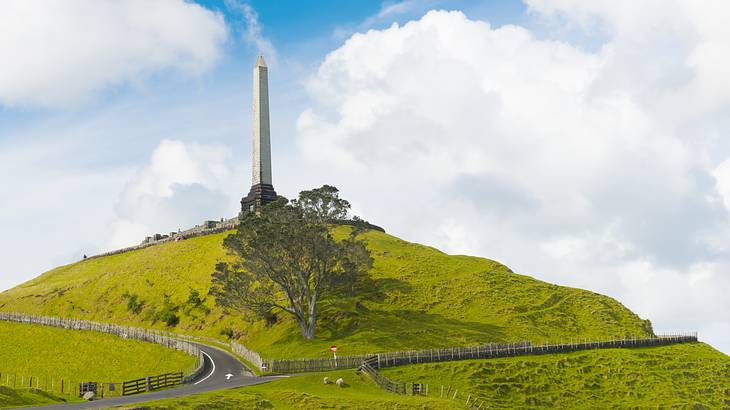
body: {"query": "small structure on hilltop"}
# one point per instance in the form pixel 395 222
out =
pixel 262 191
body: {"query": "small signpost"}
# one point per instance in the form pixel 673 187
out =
pixel 334 353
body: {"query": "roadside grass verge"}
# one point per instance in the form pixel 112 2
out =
pixel 304 392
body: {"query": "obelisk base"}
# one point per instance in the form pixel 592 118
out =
pixel 258 196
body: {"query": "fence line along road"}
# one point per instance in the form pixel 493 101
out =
pixel 166 339
pixel 487 351
pixel 250 356
pixel 151 383
pixel 388 359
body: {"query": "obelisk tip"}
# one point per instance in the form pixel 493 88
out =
pixel 260 61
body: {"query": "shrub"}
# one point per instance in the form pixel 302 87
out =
pixel 170 318
pixel 227 332
pixel 134 305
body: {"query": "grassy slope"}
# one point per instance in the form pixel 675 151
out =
pixel 416 297
pixel 305 392
pixel 17 398
pixel 81 355
pixel 680 376
pixel 683 376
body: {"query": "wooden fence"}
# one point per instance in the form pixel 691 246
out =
pixel 382 381
pixel 472 402
pixel 416 389
pixel 65 386
pixel 60 386
pixel 250 356
pixel 486 351
pixel 374 361
pixel 151 383
pixel 166 339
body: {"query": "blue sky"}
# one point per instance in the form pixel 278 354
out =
pixel 583 143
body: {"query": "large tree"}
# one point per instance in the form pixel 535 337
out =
pixel 287 261
pixel 322 205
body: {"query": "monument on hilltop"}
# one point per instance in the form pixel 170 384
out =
pixel 262 191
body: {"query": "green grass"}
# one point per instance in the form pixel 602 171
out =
pixel 680 376
pixel 415 297
pixel 47 352
pixel 304 392
pixel 19 398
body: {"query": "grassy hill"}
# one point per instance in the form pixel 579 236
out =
pixel 49 352
pixel 681 376
pixel 692 376
pixel 415 297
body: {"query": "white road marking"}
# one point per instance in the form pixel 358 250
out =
pixel 211 372
pixel 228 376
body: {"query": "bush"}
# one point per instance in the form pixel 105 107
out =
pixel 168 312
pixel 227 332
pixel 170 318
pixel 134 305
pixel 195 302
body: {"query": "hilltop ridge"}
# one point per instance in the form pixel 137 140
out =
pixel 415 297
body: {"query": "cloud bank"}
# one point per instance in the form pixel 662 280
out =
pixel 606 169
pixel 182 185
pixel 56 54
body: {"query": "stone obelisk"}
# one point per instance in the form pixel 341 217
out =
pixel 262 191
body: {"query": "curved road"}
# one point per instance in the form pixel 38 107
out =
pixel 218 363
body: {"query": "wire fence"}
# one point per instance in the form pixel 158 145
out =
pixel 75 387
pixel 417 389
pixel 486 351
pixel 470 401
pixel 370 364
pixel 57 386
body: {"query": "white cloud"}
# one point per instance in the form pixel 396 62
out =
pixel 589 168
pixel 183 184
pixel 253 30
pixel 62 53
pixel 390 9
pixel 51 212
pixel 722 181
pixel 64 174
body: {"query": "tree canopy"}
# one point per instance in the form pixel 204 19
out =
pixel 322 205
pixel 288 260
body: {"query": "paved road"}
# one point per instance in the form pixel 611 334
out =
pixel 218 363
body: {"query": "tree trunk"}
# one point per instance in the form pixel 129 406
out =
pixel 307 333
pixel 308 322
pixel 312 322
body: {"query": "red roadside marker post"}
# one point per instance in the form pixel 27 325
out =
pixel 334 353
